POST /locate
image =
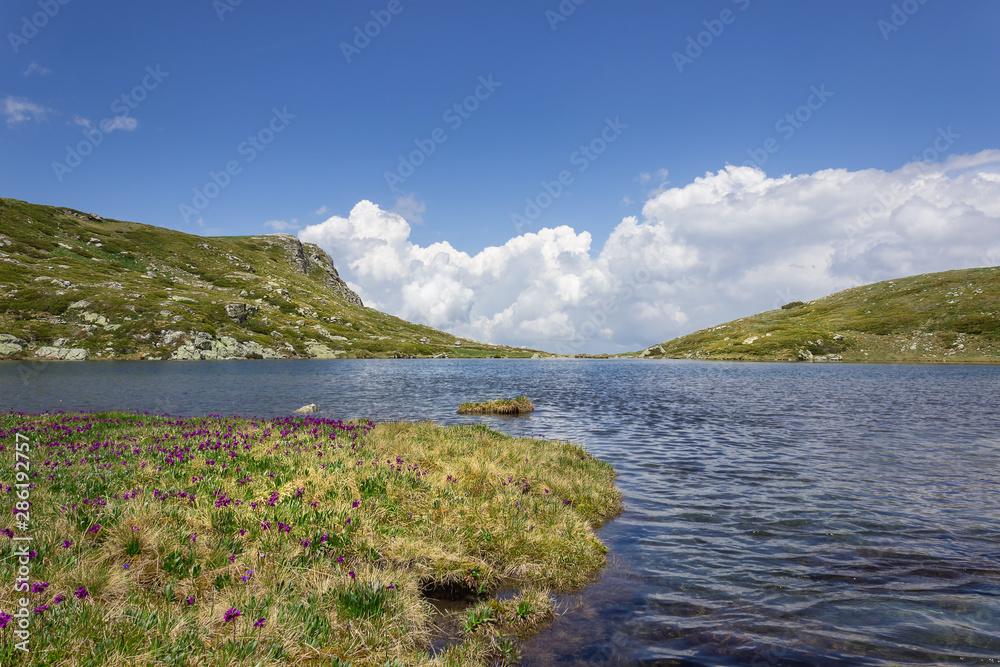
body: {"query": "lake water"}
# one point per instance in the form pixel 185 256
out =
pixel 777 514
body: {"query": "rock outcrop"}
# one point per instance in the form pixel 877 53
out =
pixel 203 346
pixel 304 257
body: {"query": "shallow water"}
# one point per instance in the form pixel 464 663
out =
pixel 777 514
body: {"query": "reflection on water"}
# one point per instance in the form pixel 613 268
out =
pixel 776 514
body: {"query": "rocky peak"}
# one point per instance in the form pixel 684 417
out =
pixel 303 257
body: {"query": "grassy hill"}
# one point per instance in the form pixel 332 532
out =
pixel 952 316
pixel 77 286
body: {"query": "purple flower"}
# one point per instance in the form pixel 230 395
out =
pixel 41 610
pixel 40 587
pixel 194 537
pixel 351 575
pixel 8 532
pixel 190 600
pixel 81 593
pixel 232 614
pixel 232 558
pixel 126 566
pixel 246 577
pixel 4 620
pixel 95 528
pixel 59 598
pixel 260 623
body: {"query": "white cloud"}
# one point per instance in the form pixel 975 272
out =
pixel 727 245
pixel 126 123
pixel 19 110
pixel 108 125
pixel 35 68
pixel 322 210
pixel 281 225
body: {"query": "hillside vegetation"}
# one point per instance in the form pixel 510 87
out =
pixel 78 286
pixel 953 316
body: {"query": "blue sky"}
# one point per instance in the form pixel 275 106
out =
pixel 860 87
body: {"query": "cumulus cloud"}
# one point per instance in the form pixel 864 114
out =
pixel 19 110
pixel 729 244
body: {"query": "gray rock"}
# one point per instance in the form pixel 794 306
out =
pixel 79 304
pixel 77 354
pixel 306 409
pixel 240 311
pixel 9 349
pixel 320 351
pixel 68 354
pixel 186 353
pixel 202 341
pixel 61 342
pixel 169 336
pixel 10 338
pixel 276 334
pixel 838 337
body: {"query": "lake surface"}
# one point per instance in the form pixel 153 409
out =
pixel 777 514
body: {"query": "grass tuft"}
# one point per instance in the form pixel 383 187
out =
pixel 503 406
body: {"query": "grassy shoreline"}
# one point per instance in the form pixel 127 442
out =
pixel 225 541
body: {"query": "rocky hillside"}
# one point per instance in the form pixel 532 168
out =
pixel 952 316
pixel 77 286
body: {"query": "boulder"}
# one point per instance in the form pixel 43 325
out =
pixel 240 311
pixel 306 409
pixel 10 338
pixel 64 353
pixel 9 349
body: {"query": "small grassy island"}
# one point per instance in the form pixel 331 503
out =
pixel 503 406
pixel 224 541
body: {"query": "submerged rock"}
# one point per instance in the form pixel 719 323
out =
pixel 306 409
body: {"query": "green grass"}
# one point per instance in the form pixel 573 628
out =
pixel 149 279
pixel 224 541
pixel 503 406
pixel 952 316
